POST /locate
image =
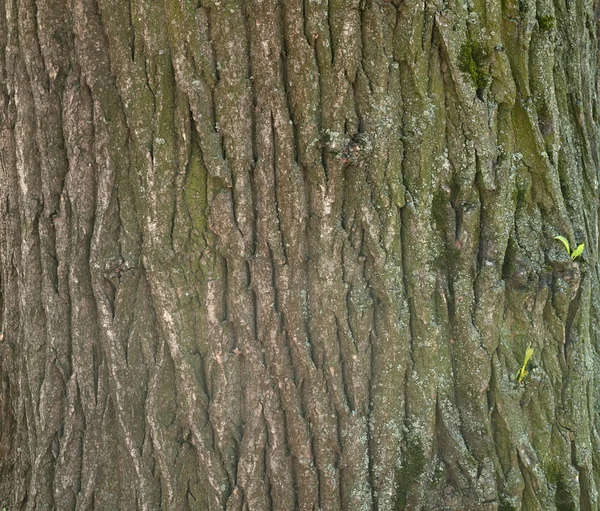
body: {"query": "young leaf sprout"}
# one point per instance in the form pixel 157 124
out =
pixel 576 253
pixel 521 373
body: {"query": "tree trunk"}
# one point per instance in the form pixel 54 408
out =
pixel 287 255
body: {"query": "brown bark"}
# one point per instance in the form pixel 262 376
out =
pixel 290 255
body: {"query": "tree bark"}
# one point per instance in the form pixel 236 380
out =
pixel 267 255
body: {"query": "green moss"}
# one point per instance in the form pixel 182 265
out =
pixel 466 61
pixel 523 7
pixel 506 506
pixel 546 23
pixel 401 491
pixel 195 193
pixel 409 472
pixel 415 460
pixel 563 499
pixel 473 59
pixel 552 471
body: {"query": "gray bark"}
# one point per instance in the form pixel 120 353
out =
pixel 262 255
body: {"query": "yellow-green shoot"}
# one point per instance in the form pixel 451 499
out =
pixel 576 253
pixel 521 373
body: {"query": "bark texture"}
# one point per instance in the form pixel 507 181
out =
pixel 274 255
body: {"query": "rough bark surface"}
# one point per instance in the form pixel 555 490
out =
pixel 274 255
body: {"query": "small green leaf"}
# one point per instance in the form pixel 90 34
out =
pixel 521 373
pixel 565 242
pixel 528 355
pixel 577 252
